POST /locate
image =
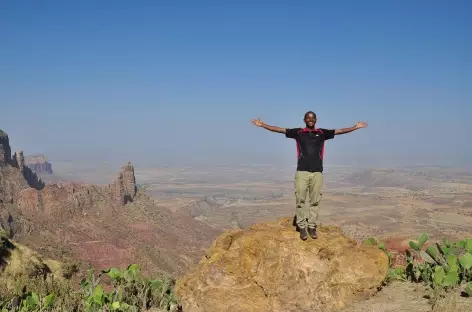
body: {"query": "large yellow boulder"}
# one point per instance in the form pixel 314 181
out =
pixel 267 268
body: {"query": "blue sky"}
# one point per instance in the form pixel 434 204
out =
pixel 178 81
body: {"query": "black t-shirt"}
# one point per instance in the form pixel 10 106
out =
pixel 310 147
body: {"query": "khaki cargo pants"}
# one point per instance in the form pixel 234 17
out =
pixel 312 183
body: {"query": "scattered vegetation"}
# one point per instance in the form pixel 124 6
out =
pixel 441 266
pixel 126 290
pixel 28 283
pixel 131 292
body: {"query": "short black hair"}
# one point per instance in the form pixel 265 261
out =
pixel 309 112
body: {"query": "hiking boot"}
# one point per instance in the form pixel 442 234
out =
pixel 312 233
pixel 303 234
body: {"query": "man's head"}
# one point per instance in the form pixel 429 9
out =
pixel 310 119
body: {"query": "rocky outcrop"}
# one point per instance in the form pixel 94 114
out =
pixel 12 182
pixel 17 161
pixel 267 268
pixel 5 151
pixel 13 224
pixel 39 164
pixel 125 185
pixel 33 180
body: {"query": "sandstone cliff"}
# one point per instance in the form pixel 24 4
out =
pixel 267 268
pixel 12 181
pixel 39 164
pixel 34 181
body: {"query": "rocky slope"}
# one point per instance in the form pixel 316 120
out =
pixel 267 268
pixel 103 226
pixel 18 261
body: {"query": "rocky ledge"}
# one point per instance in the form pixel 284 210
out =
pixel 267 268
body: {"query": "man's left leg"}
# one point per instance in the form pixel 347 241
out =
pixel 315 189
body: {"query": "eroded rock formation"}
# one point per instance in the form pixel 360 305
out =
pixel 125 185
pixel 267 268
pixel 5 151
pixel 12 180
pixel 33 180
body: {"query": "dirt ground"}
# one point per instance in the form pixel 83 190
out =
pixel 404 296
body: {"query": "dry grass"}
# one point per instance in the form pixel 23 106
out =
pixel 24 271
pixel 66 298
pixel 20 261
pixel 449 301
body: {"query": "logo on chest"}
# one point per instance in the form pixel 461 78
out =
pixel 313 136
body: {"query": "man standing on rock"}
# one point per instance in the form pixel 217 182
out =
pixel 309 177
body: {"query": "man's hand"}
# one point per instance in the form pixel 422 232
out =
pixel 360 125
pixel 257 122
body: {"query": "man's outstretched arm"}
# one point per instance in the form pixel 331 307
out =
pixel 359 125
pixel 258 122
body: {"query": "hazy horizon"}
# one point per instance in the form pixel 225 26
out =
pixel 167 83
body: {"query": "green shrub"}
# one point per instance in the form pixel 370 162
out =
pixel 129 291
pixel 37 294
pixel 442 265
pixel 132 291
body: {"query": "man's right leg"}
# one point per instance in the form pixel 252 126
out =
pixel 315 187
pixel 301 188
